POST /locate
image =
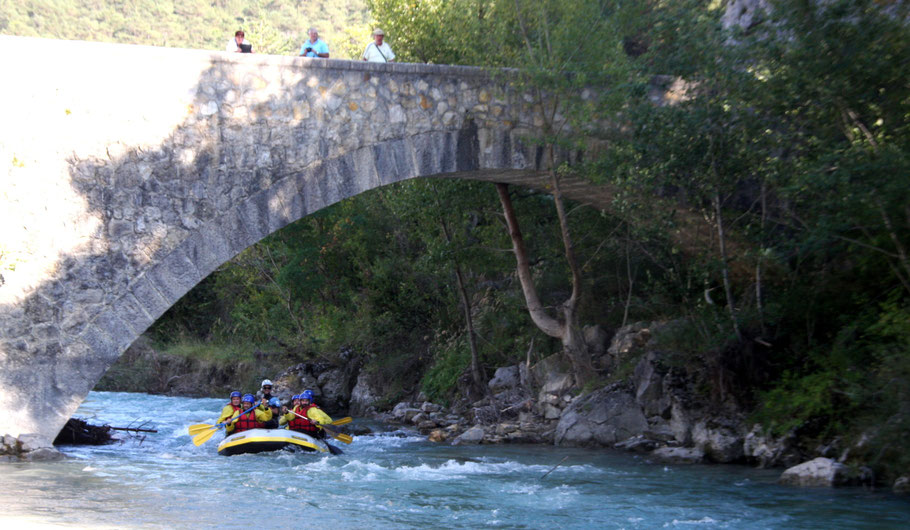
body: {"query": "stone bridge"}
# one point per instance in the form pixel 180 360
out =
pixel 130 173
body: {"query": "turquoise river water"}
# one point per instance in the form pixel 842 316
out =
pixel 397 479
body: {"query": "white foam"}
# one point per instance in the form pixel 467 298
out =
pixel 703 520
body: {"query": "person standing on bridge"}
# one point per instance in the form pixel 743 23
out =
pixel 315 47
pixel 378 51
pixel 238 43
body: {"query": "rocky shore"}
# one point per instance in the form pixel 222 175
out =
pixel 655 411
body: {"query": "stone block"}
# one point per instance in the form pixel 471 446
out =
pixel 174 276
pixel 130 311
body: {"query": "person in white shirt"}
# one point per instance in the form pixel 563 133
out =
pixel 378 51
pixel 233 45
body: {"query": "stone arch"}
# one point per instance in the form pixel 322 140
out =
pixel 134 190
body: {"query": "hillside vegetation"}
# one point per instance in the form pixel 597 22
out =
pixel 276 27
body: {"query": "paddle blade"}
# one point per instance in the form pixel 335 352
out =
pixel 340 436
pixel 343 421
pixel 198 428
pixel 200 439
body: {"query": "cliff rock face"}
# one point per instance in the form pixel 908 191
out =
pixel 365 394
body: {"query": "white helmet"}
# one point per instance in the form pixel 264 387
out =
pixel 266 382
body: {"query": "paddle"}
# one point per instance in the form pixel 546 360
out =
pixel 340 436
pixel 205 434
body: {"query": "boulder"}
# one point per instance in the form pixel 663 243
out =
pixel 430 407
pixel 9 445
pixel 437 435
pixel 628 342
pixel 32 442
pixel 364 395
pixel 767 451
pixel 43 454
pixel 403 412
pixel 902 485
pixel 417 418
pixel 474 435
pixel 505 378
pixel 604 417
pixel 818 472
pixel 720 444
pixel 550 412
pixel 426 426
pixel 679 455
pixel 506 428
pixel 553 374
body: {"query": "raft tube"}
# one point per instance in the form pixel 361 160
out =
pixel 261 440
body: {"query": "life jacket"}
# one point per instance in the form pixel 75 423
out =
pixel 303 425
pixel 246 422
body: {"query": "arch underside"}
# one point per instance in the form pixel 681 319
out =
pixel 58 380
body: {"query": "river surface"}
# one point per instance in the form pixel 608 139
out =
pixel 397 479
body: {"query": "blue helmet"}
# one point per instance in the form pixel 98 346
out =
pixel 275 402
pixel 307 394
pixel 295 396
pixel 235 394
pixel 249 397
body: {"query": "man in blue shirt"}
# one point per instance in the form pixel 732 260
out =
pixel 315 47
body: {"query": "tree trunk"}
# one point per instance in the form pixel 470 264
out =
pixel 725 269
pixel 476 369
pixel 566 330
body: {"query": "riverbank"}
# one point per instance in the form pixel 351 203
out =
pixel 649 406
